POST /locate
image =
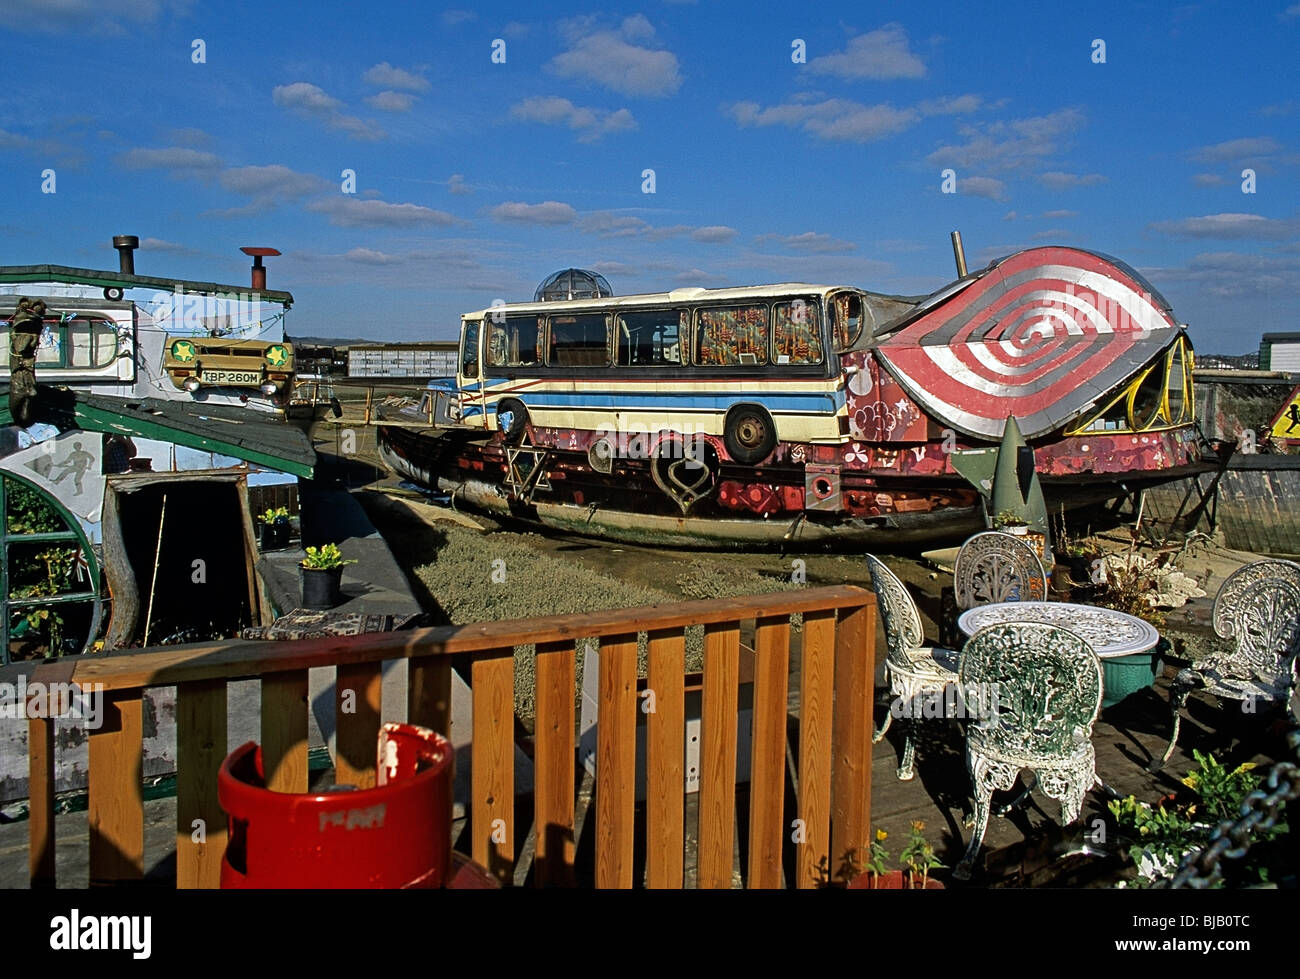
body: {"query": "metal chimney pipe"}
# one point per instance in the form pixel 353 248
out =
pixel 959 253
pixel 125 245
pixel 259 270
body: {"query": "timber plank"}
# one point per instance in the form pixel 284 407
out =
pixel 181 664
pixel 767 768
pixel 492 772
pixel 116 801
pixel 40 804
pixel 358 693
pixel 718 754
pixel 616 762
pixel 200 750
pixel 284 731
pixel 855 638
pixel 816 694
pixel 666 760
pixel 428 693
pixel 554 764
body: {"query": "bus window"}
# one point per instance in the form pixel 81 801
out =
pixel 514 343
pixel 731 335
pixel 796 333
pixel 651 337
pixel 579 341
pixel 846 317
pixel 92 342
pixel 469 349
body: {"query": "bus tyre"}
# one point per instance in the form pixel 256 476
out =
pixel 512 417
pixel 750 435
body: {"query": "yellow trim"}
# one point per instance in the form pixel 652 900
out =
pixel 1160 420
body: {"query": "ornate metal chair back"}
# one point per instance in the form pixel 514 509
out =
pixel 902 620
pixel 996 567
pixel 1036 688
pixel 1258 610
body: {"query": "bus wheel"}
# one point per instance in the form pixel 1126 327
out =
pixel 512 416
pixel 750 435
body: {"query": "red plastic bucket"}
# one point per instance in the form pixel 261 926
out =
pixel 397 834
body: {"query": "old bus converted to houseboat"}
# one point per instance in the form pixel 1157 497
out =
pixel 807 413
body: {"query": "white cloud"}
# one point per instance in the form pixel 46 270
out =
pixel 1237 150
pixel 368 256
pixel 384 75
pixel 349 212
pixel 591 124
pixel 456 185
pixel 881 55
pixel 453 17
pixel 832 119
pixel 311 100
pixel 1291 12
pixel 162 245
pixel 809 241
pixel 174 158
pixel 607 58
pixel 994 190
pixel 1207 179
pixel 105 17
pixel 391 101
pixel 275 181
pixel 1009 145
pixel 1057 215
pixel 547 212
pixel 713 234
pixel 951 105
pixel 1229 226
pixel 1060 180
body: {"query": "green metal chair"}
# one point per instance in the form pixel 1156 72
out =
pixel 1033 692
pixel 916 671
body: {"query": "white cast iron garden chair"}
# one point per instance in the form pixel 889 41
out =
pixel 916 671
pixel 996 567
pixel 1037 689
pixel 1257 610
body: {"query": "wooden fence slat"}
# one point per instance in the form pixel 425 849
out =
pixel 40 805
pixel 851 781
pixel 492 770
pixel 284 731
pixel 666 760
pixel 817 673
pixel 767 767
pixel 200 750
pixel 717 804
pixel 116 800
pixel 428 693
pixel 616 762
pixel 554 765
pixel 358 693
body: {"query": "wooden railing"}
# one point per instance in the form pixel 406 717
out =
pixel 832 806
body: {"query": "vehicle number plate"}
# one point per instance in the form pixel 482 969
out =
pixel 231 377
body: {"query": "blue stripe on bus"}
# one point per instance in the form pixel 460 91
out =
pixel 828 401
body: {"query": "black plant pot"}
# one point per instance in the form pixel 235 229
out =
pixel 275 536
pixel 320 588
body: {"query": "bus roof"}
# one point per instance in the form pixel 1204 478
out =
pixel 688 295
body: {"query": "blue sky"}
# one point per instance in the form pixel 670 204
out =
pixel 476 178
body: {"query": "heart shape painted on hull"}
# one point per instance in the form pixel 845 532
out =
pixel 686 479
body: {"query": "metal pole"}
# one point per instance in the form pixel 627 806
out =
pixel 148 618
pixel 959 253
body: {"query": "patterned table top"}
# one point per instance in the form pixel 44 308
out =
pixel 1108 632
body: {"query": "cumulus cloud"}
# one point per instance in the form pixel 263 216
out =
pixel 162 245
pixel 591 124
pixel 713 234
pixel 808 241
pixel 384 75
pixel 611 58
pixel 611 224
pixel 369 256
pixel 880 55
pixel 831 119
pixel 1009 145
pixel 456 185
pixel 311 100
pixel 349 212
pixel 547 212
pixel 391 101
pixel 178 159
pixel 103 17
pixel 994 190
pixel 275 181
pixel 1229 226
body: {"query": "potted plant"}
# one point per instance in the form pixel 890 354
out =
pixel 322 573
pixel 1011 523
pixel 918 857
pixel 274 527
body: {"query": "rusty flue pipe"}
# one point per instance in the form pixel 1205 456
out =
pixel 959 253
pixel 126 246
